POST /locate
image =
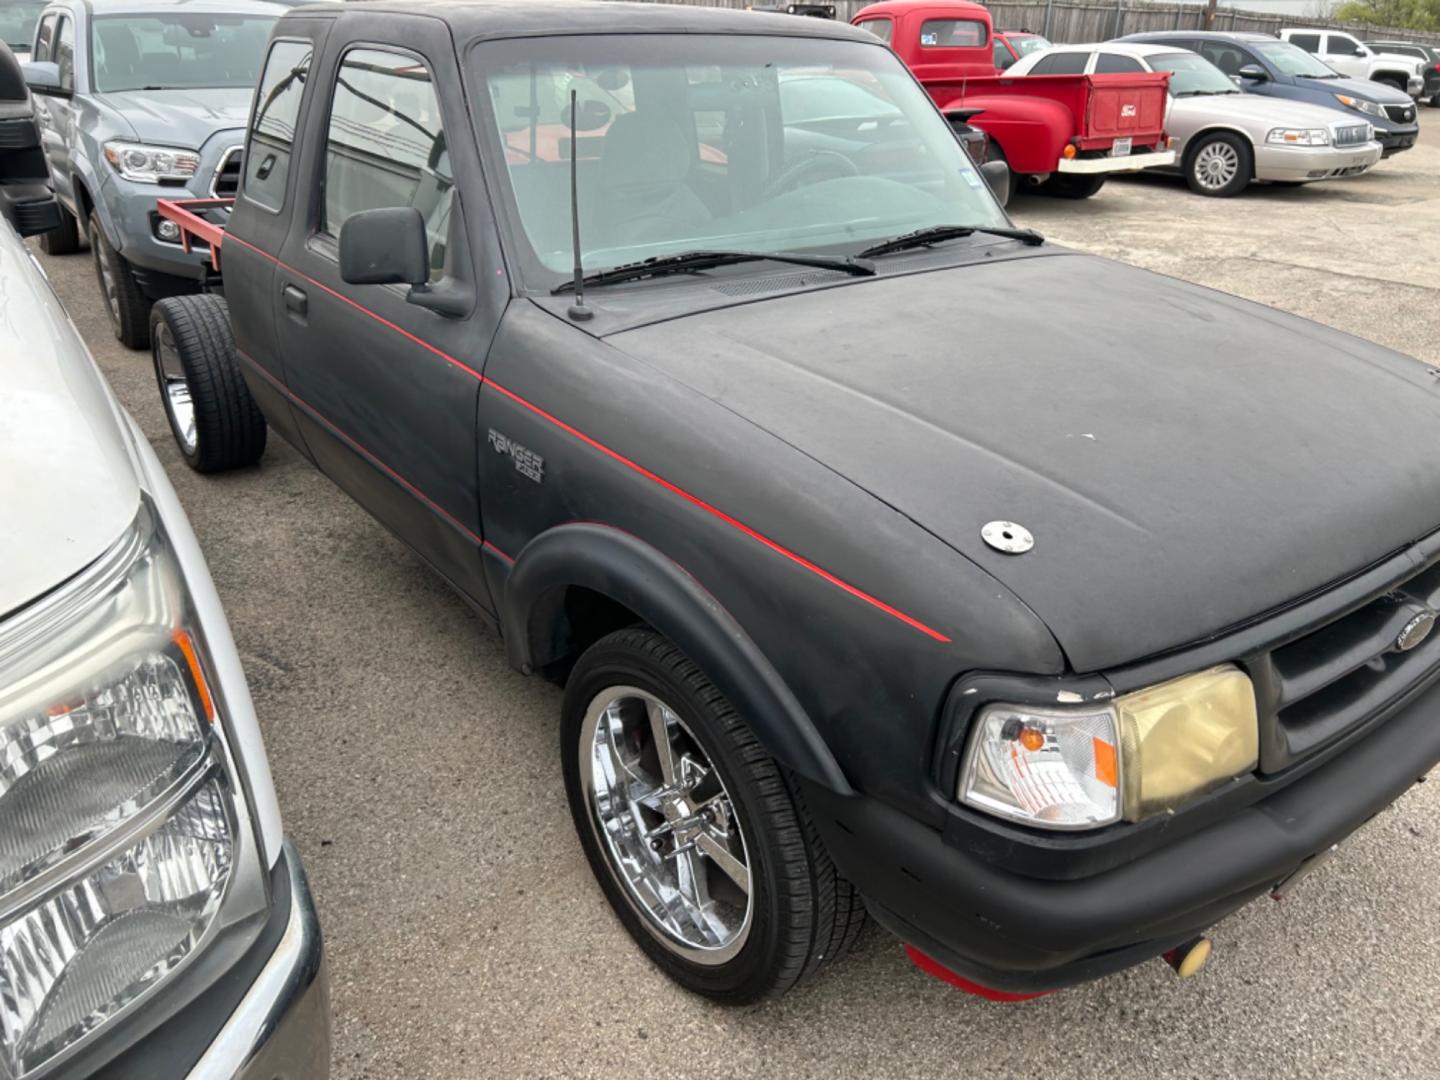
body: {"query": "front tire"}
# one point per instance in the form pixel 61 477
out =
pixel 125 303
pixel 1219 165
pixel 64 239
pixel 216 423
pixel 697 837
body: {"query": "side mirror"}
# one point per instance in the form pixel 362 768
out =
pixel 385 247
pixel 43 77
pixel 1253 73
pixel 997 175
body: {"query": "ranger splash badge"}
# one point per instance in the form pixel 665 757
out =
pixel 527 463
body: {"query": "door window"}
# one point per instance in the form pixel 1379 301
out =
pixel 272 129
pixel 65 52
pixel 1114 64
pixel 1345 45
pixel 1061 63
pixel 881 28
pixel 385 146
pixel 1003 59
pixel 44 37
pixel 1227 57
pixel 1309 42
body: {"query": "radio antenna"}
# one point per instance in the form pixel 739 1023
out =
pixel 578 311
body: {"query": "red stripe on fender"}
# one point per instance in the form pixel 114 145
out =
pixel 491 547
pixel 944 974
pixel 595 444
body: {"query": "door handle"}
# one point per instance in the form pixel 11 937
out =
pixel 296 300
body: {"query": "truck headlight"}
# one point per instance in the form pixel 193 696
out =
pixel 1140 755
pixel 152 164
pixel 1299 137
pixel 1370 108
pixel 122 827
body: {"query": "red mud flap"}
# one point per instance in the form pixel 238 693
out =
pixel 941 972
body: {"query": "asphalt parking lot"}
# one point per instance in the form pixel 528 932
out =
pixel 420 774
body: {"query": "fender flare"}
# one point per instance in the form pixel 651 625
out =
pixel 629 571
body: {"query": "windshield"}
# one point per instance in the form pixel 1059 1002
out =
pixel 178 51
pixel 1191 75
pixel 17 22
pixel 1291 59
pixel 707 142
pixel 1025 44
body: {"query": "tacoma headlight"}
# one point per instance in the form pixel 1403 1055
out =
pixel 1140 755
pixel 121 824
pixel 152 164
pixel 1370 108
pixel 1299 137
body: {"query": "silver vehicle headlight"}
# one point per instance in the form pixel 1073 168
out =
pixel 1139 755
pixel 1369 108
pixel 1299 136
pixel 122 828
pixel 152 164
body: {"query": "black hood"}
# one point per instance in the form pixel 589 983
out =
pixel 1186 460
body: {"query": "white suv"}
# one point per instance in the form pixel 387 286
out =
pixel 1350 56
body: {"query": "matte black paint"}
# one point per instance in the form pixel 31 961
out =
pixel 791 486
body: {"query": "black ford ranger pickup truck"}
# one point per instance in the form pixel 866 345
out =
pixel 894 560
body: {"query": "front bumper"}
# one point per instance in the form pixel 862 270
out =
pixel 1300 164
pixel 1129 163
pixel 1397 138
pixel 1015 933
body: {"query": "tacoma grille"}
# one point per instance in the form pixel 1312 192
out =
pixel 227 176
pixel 1401 114
pixel 1313 689
pixel 1354 135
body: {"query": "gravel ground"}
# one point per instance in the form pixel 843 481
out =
pixel 420 776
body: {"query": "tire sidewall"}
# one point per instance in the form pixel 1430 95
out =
pixel 608 665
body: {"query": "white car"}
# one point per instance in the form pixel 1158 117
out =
pixel 153 920
pixel 1349 55
pixel 1225 138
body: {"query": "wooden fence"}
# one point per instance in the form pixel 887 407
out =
pixel 1098 20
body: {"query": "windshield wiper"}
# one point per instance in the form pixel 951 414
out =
pixel 689 262
pixel 936 234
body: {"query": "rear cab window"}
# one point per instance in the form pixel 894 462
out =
pixel 952 34
pixel 272 129
pixel 385 146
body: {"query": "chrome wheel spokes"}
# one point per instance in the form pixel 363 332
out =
pixel 174 387
pixel 667 825
pixel 1216 165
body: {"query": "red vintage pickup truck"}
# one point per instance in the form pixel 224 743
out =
pixel 1060 133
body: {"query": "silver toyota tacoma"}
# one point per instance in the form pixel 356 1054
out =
pixel 139 99
pixel 154 922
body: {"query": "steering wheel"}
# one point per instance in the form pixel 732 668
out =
pixel 817 161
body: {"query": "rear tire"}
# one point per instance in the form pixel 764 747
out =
pixel 64 239
pixel 1072 185
pixel 1219 165
pixel 216 423
pixel 721 812
pixel 1435 101
pixel 125 303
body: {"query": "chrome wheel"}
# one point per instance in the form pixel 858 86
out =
pixel 666 824
pixel 174 387
pixel 1216 165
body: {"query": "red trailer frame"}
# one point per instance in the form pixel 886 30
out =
pixel 187 214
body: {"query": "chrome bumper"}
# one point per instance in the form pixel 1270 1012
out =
pixel 1129 163
pixel 281 1028
pixel 1300 164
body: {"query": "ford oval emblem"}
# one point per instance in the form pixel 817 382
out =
pixel 1415 631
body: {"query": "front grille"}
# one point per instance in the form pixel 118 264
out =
pixel 1401 114
pixel 1354 135
pixel 1315 688
pixel 227 177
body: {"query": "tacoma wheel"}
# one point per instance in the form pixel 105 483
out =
pixel 64 239
pixel 696 835
pixel 127 306
pixel 1219 165
pixel 215 421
